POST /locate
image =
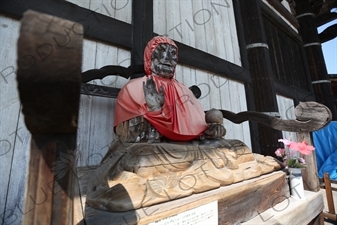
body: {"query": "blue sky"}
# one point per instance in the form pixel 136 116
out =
pixel 330 50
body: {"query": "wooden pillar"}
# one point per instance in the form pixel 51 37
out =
pixel 312 46
pixel 248 85
pixel 261 73
pixel 142 30
pixel 315 112
pixel 49 77
pixel 309 174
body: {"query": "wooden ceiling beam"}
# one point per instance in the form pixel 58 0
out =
pixel 328 34
pixel 325 18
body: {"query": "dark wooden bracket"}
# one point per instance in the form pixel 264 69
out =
pixel 90 75
pixel 310 116
pixel 49 79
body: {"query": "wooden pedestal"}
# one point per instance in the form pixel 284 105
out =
pixel 236 203
pixel 292 211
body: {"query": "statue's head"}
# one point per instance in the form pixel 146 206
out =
pixel 160 57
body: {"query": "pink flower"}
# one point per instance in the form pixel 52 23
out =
pixel 280 152
pixel 285 141
pixel 302 147
pixel 302 161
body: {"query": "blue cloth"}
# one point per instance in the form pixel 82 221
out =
pixel 325 142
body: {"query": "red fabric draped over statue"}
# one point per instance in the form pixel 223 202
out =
pixel 181 117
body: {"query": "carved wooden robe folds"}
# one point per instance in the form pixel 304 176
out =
pixel 142 174
pixel 141 168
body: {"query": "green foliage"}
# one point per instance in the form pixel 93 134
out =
pixel 294 163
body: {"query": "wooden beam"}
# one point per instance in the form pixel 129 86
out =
pixel 328 34
pixel 205 61
pixel 118 33
pixel 284 12
pixel 95 25
pixel 245 64
pixel 49 77
pixel 282 88
pixel 99 90
pixel 329 195
pixel 270 14
pixel 310 116
pixel 142 30
pixel 325 18
pixel 330 216
pixel 290 92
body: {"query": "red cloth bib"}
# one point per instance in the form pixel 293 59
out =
pixel 181 117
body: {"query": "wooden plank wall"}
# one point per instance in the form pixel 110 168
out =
pixel 14 136
pixel 220 93
pixel 287 111
pixel 279 14
pixel 206 25
pixel 95 131
pixel 120 10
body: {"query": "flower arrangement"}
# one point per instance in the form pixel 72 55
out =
pixel 289 153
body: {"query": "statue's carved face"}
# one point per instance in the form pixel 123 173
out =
pixel 164 60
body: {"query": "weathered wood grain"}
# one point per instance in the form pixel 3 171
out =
pixel 58 45
pixel 18 174
pixel 313 111
pixel 186 18
pixel 257 193
pixel 84 152
pixel 310 116
pixel 322 115
pixel 205 25
pixel 39 197
pixel 314 55
pixel 222 93
pixel 286 15
pixel 9 118
pixel 95 131
pixel 291 211
pixel 96 26
pixel 329 195
pixel 49 70
pixel 14 136
pixel 237 104
pixel 287 111
pixel 120 10
pixel 109 70
pixel 77 206
pixel 310 173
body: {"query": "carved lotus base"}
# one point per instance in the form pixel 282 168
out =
pixel 143 174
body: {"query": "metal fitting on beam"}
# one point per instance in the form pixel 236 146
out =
pixel 257 45
pixel 274 114
pixel 305 14
pixel 311 44
pixel 320 81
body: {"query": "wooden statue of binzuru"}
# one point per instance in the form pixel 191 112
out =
pixel 166 147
